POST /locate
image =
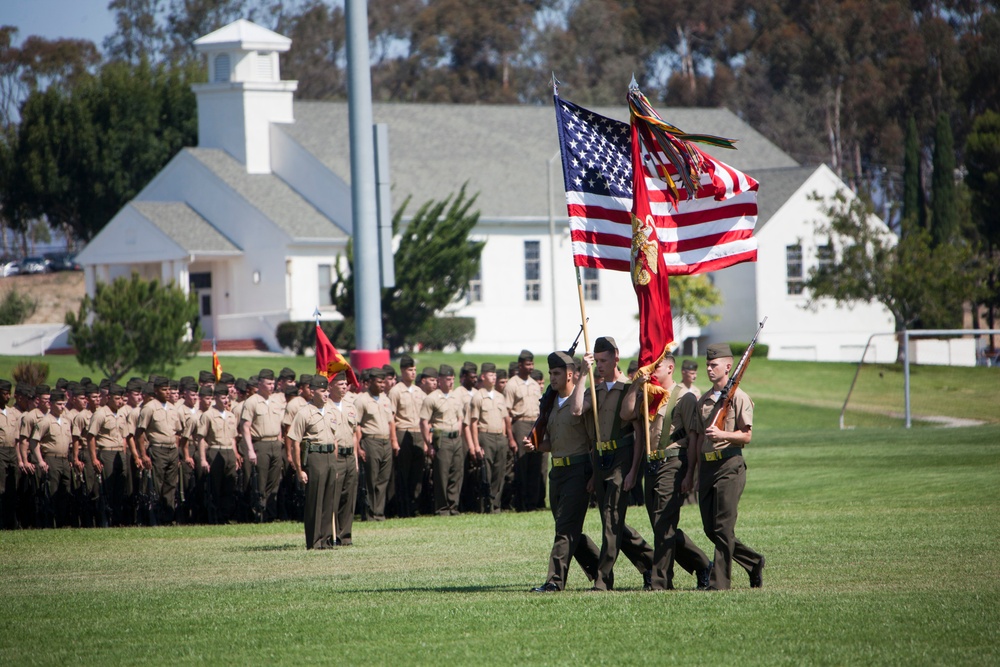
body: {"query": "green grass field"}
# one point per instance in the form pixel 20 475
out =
pixel 881 548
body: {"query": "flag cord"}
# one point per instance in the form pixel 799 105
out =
pixel 586 347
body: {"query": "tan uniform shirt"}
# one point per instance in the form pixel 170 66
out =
pixel 443 412
pixel 53 435
pixel 567 434
pixel 313 426
pixel 264 416
pixel 109 429
pixel 131 418
pixel 218 428
pixel 160 423
pixel 666 414
pixel 10 426
pixel 608 405
pixel 292 408
pixel 406 403
pixel 28 421
pixel 522 398
pixel 81 421
pixel 487 411
pixel 740 416
pixel 374 415
pixel 345 420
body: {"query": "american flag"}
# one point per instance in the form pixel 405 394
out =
pixel 711 231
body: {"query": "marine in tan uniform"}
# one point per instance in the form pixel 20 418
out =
pixel 261 431
pixel 377 440
pixel 86 399
pixel 406 399
pixel 345 491
pixel 522 395
pixel 106 436
pixel 567 439
pixel 722 472
pixel 219 457
pixel 312 442
pixel 488 427
pixel 689 373
pixel 617 465
pixel 188 412
pixel 51 439
pixel 666 468
pixel 157 439
pixel 441 418
pixel 10 457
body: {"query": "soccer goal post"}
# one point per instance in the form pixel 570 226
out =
pixel 954 349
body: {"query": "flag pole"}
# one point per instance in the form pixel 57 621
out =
pixel 645 415
pixel 586 346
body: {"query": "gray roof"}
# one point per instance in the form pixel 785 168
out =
pixel 291 212
pixel 185 227
pixel 502 150
pixel 776 187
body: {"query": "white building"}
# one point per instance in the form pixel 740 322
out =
pixel 254 218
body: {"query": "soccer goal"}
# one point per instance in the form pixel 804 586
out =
pixel 937 383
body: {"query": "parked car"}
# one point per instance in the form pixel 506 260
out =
pixel 34 265
pixel 62 261
pixel 10 268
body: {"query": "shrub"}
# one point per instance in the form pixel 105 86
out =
pixel 300 336
pixel 16 307
pixel 739 348
pixel 30 372
pixel 441 332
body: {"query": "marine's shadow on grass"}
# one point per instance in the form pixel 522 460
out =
pixel 264 548
pixel 485 588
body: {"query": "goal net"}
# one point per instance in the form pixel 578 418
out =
pixel 946 379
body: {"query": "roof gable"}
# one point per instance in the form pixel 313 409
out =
pixel 244 35
pixel 186 228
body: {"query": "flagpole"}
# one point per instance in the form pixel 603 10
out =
pixel 645 416
pixel 586 347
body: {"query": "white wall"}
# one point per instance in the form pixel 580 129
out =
pixel 311 179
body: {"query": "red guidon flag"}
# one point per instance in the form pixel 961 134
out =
pixel 216 364
pixel 329 362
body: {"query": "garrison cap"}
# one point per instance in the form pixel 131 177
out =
pixel 42 389
pixel 105 383
pixel 512 368
pixel 187 379
pixel 73 387
pixel 286 374
pixel 342 375
pixel 446 371
pixel 253 381
pixel 205 391
pixel 58 395
pixel 221 389
pixel 718 350
pixel 135 385
pixel 406 361
pixel 390 372
pixel 241 385
pixel 85 380
pixel 633 366
pixel 605 344
pixel 304 379
pixel 689 365
pixel 25 390
pixel 147 388
pixel 160 381
pixel 188 384
pixel 468 367
pixel 488 367
pixel 174 384
pixel 319 382
pixel 291 390
pixel 429 372
pixel 91 389
pixel 5 385
pixel 376 374
pixel 536 375
pixel 206 376
pixel 227 378
pixel 502 374
pixel 560 359
pixel 61 383
pixel 526 355
pixel 265 374
pixel 363 378
pixel 116 390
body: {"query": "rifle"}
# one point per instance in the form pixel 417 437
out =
pixel 254 497
pixel 729 391
pixel 364 509
pixel 485 491
pixel 150 498
pixel 44 513
pixel 208 498
pixel 103 508
pixel 548 400
pixel 80 499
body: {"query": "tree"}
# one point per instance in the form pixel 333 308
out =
pixel 914 214
pixel 982 161
pixel 944 214
pixel 434 263
pixel 912 279
pixel 135 324
pixel 692 299
pixel 139 35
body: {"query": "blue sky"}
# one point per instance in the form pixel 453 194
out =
pixel 86 19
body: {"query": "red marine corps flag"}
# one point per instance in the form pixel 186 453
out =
pixel 329 362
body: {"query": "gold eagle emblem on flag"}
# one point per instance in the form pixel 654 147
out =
pixel 644 250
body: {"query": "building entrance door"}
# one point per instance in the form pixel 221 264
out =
pixel 201 287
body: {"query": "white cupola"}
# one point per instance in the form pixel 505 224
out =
pixel 244 93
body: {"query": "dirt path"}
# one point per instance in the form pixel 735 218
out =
pixel 55 293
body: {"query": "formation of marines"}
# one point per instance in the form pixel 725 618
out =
pixel 313 449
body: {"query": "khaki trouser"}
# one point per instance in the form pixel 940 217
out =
pixel 410 471
pixel 320 499
pixel 528 480
pixel 115 478
pixel 663 504
pixel 222 482
pixel 448 470
pixel 495 453
pixel 345 496
pixel 270 456
pixel 10 477
pixel 720 486
pixel 569 499
pixel 166 471
pixel 378 468
pixel 617 535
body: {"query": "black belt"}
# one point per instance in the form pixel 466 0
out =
pixel 321 449
pixel 345 451
pixel 606 446
pixel 720 454
pixel 563 461
pixel 445 434
pixel 662 454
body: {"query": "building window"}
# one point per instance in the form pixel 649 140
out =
pixel 793 261
pixel 325 283
pixel 475 293
pixel 591 285
pixel 532 271
pixel 221 68
pixel 824 255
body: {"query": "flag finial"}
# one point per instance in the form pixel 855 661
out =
pixel 633 84
pixel 555 85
